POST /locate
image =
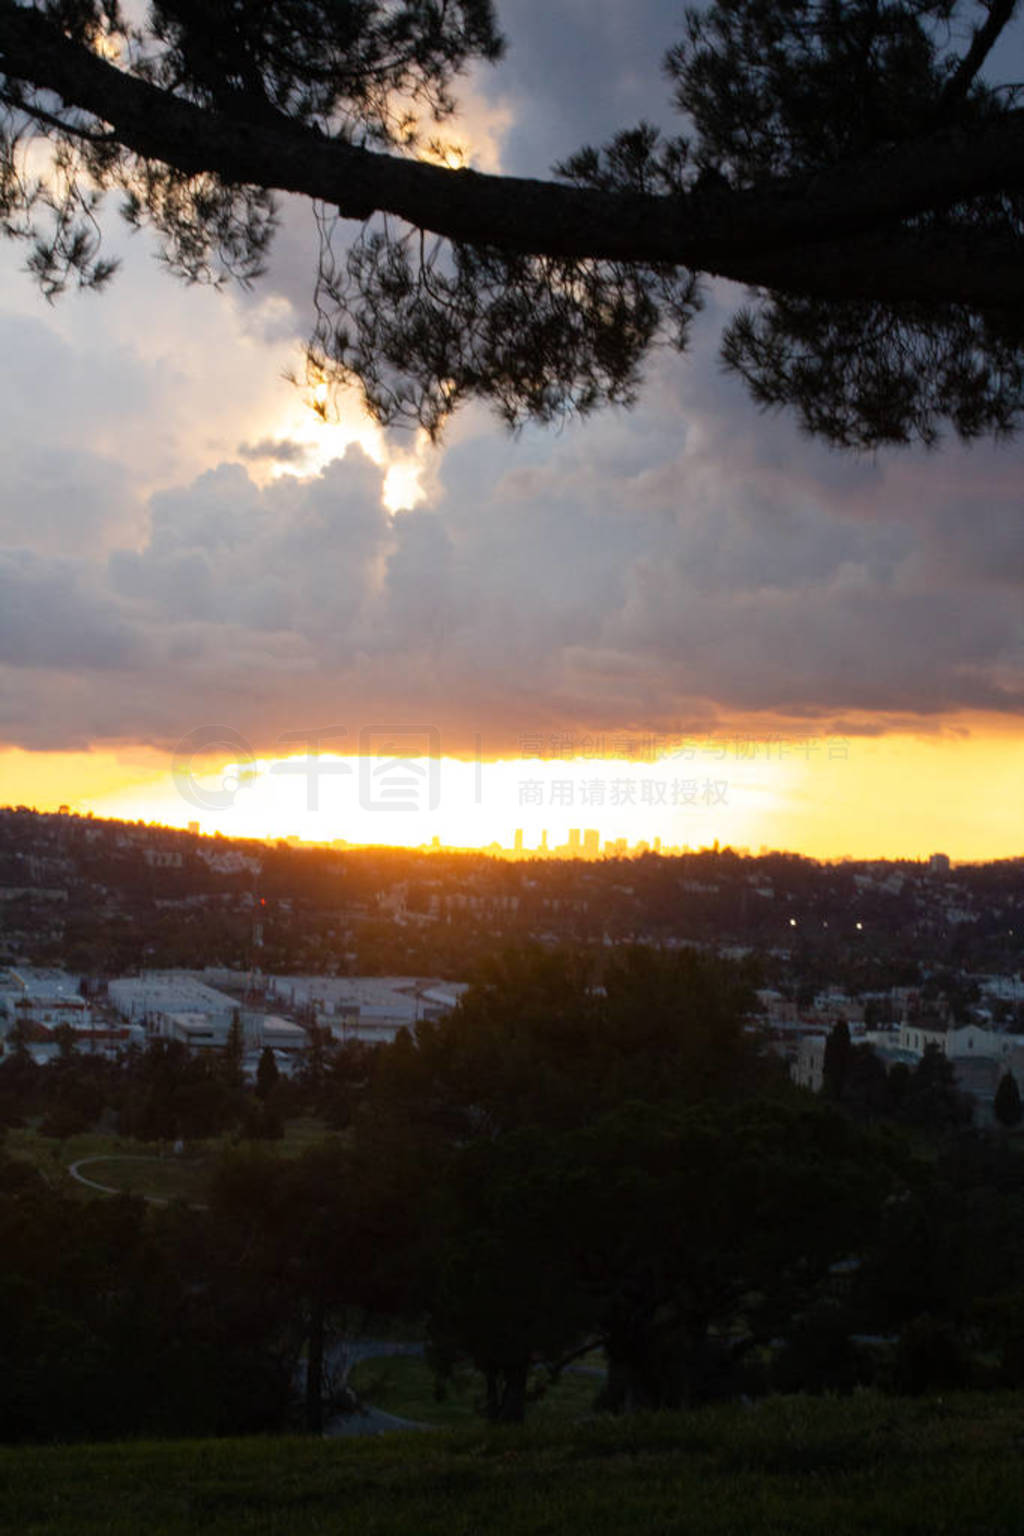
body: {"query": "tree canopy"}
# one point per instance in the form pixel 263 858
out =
pixel 846 160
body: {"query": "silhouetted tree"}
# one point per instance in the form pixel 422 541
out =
pixel 603 1171
pixel 933 1100
pixel 267 1073
pixel 848 163
pixel 838 1056
pixel 1006 1104
pixel 234 1051
pixel 507 1291
pixel 118 1320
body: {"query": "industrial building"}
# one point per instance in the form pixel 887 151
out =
pixel 174 1005
pixel 368 1008
pixel 45 997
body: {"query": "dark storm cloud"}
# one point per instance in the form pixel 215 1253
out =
pixel 577 72
pixel 626 575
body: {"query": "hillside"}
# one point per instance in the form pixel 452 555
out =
pixel 796 1465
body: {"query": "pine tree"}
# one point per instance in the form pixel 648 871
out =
pixel 234 1050
pixel 845 162
pixel 267 1073
pixel 1007 1105
pixel 836 1065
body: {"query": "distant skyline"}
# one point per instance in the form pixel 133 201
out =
pixel 186 548
pixel 827 797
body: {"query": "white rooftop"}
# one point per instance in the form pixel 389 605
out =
pixel 385 997
pixel 167 992
pixel 39 982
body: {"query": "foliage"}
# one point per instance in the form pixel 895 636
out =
pixel 360 70
pixel 933 1100
pixel 808 86
pixel 768 90
pixel 862 375
pixel 101 1302
pixel 942 1279
pixel 605 1174
pixel 576 1158
pixel 888 315
pixel 267 1074
pixel 1007 1105
pixel 542 1040
pixel 836 1066
pixel 422 327
pixel 174 1094
pixel 234 1051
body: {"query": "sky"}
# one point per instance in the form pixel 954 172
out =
pixel 685 621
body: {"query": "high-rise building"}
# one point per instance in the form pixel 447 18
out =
pixel 591 843
pixel 574 840
pixel 517 843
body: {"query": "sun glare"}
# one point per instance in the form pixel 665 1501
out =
pixel 402 487
pixel 534 804
pixel 892 796
pixel 107 47
pixel 322 441
pixel 453 156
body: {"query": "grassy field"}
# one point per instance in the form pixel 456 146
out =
pixel 144 1168
pixel 786 1467
pixel 154 1177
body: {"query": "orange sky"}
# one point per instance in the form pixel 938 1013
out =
pixel 894 796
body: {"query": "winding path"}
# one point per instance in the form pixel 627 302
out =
pixel 75 1170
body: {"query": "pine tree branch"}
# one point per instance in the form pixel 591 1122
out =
pixel 829 235
pixel 983 41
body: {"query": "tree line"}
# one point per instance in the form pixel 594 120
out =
pixel 561 1165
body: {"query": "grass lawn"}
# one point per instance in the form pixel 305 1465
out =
pixel 156 1178
pixel 144 1168
pixel 785 1467
pixel 299 1135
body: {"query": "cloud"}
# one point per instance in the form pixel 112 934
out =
pixel 578 72
pixel 687 562
pixel 281 450
pixel 71 503
pixel 626 575
pixel 53 617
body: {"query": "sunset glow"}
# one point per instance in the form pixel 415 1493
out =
pixel 896 796
pixel 316 440
pixel 773 644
